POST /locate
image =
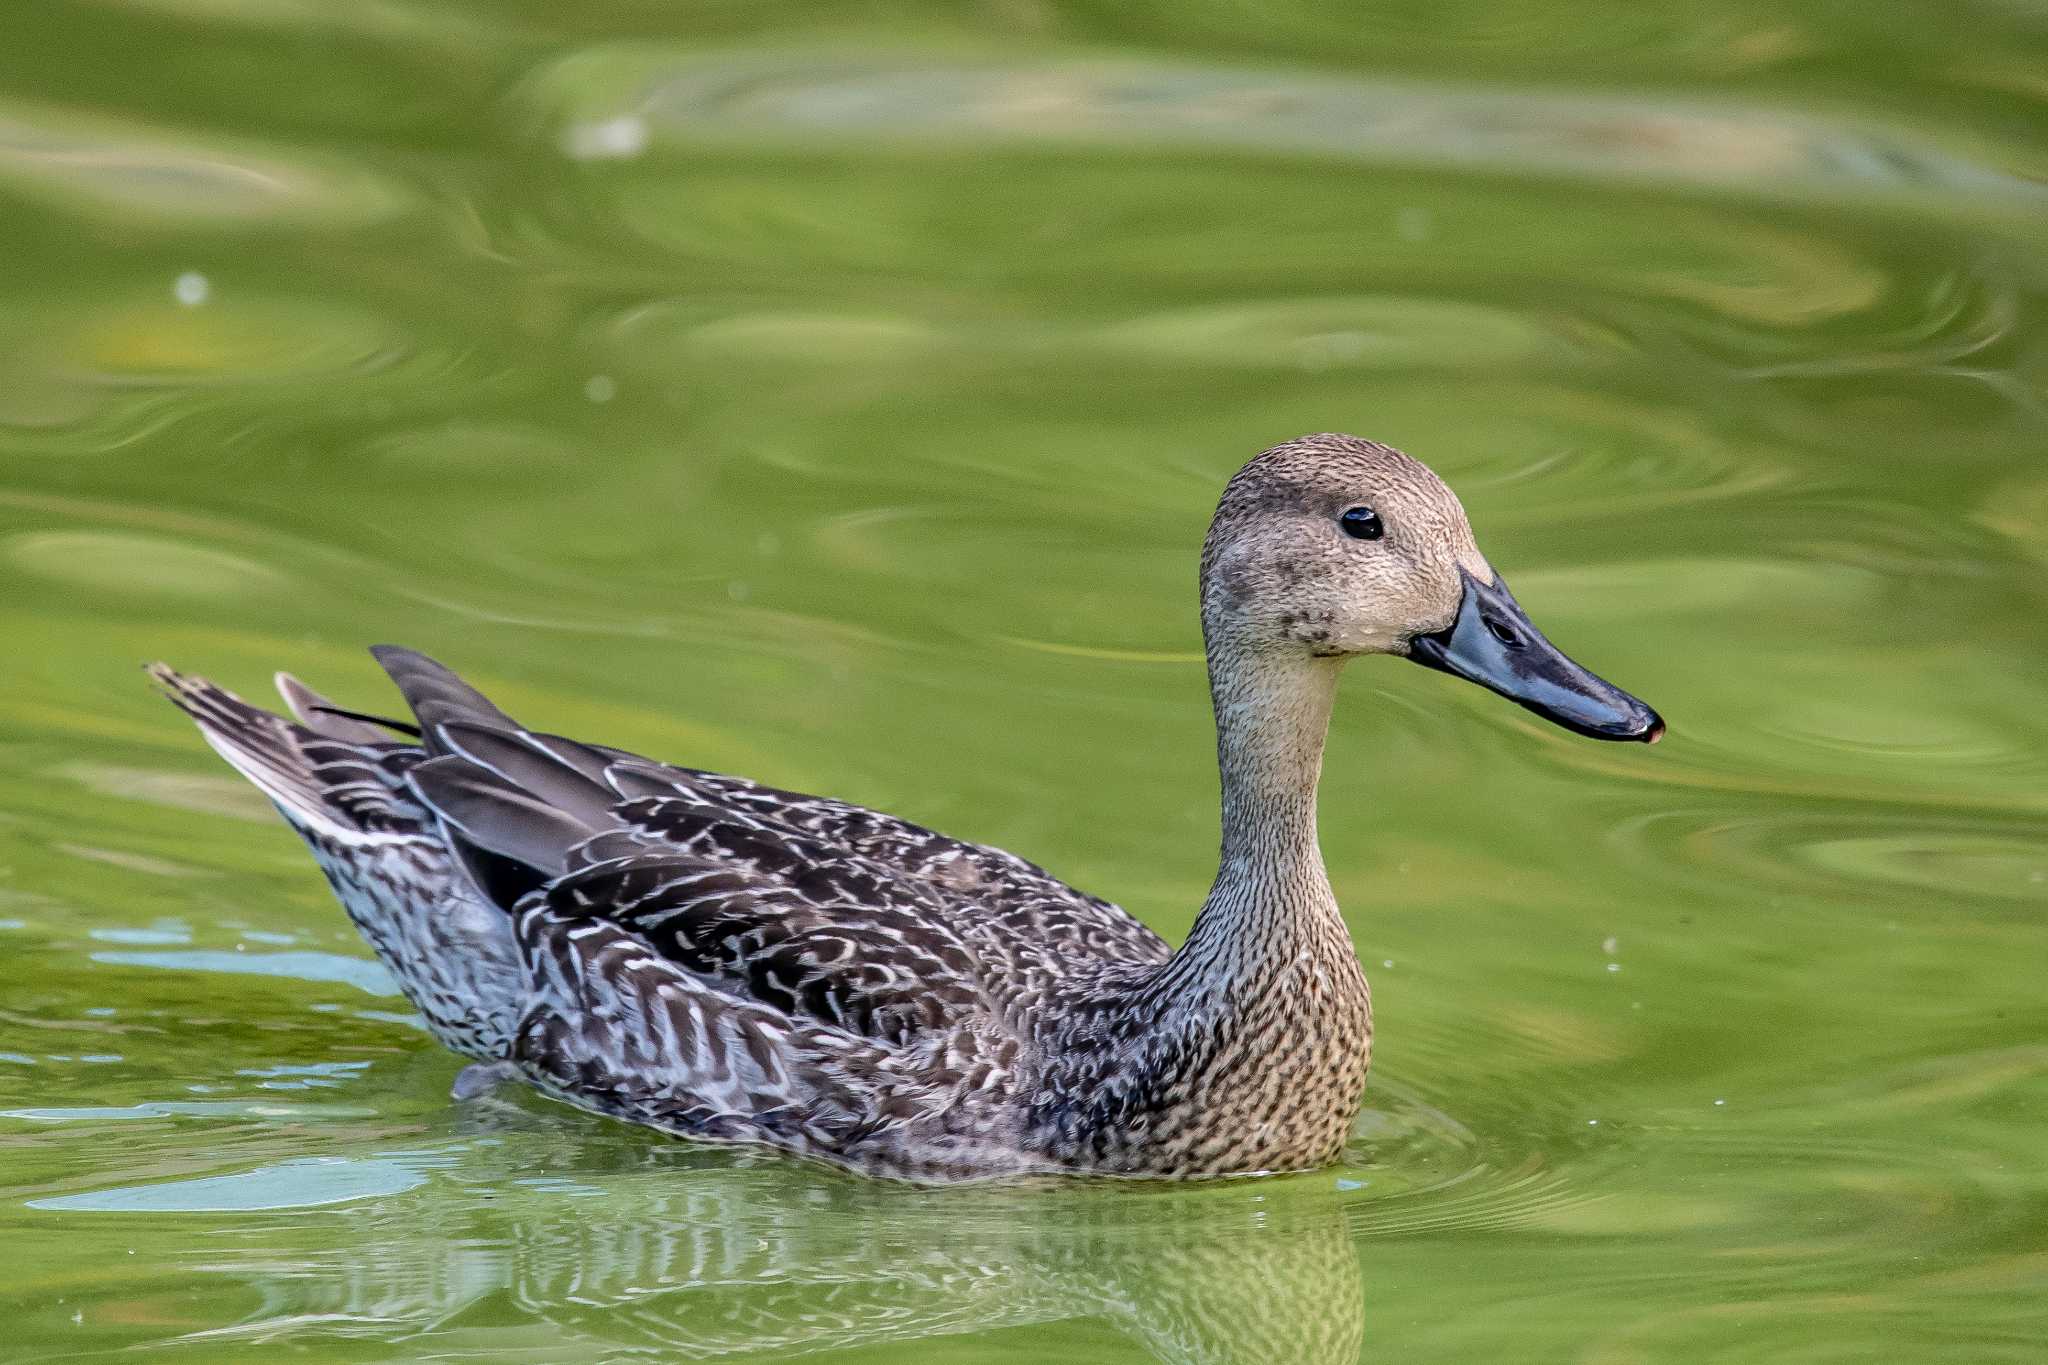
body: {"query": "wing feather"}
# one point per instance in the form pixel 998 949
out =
pixel 826 912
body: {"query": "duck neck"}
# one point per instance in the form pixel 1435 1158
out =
pixel 1271 902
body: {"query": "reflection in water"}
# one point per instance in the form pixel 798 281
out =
pixel 622 101
pixel 705 1260
pixel 132 173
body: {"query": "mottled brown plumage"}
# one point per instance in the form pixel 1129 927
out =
pixel 729 962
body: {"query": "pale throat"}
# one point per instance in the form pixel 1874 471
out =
pixel 1271 901
pixel 1272 719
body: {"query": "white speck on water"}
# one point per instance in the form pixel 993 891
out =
pixel 1610 945
pixel 600 388
pixel 1592 1123
pixel 1720 1102
pixel 612 139
pixel 1387 962
pixel 1614 966
pixel 191 288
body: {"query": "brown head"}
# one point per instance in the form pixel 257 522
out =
pixel 1331 546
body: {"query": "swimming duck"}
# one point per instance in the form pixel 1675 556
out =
pixel 724 961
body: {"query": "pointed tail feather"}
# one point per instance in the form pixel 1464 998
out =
pixel 256 743
pixel 323 717
pixel 353 791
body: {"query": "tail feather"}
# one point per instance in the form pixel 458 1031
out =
pixel 319 778
pixel 323 717
pixel 342 784
pixel 256 743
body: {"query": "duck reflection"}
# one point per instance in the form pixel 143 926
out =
pixel 696 1257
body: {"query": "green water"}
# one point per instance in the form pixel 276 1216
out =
pixel 837 396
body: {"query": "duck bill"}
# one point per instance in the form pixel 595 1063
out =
pixel 1493 643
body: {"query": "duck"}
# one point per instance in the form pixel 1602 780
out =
pixel 727 962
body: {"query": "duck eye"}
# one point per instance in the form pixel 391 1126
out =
pixel 1361 523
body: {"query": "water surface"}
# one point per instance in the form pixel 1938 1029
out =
pixel 842 404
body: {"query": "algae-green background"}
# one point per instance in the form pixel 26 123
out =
pixel 836 394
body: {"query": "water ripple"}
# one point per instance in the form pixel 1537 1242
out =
pixel 626 101
pixel 365 974
pixel 1862 854
pixel 131 174
pixel 309 1182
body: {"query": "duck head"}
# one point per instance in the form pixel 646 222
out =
pixel 1332 546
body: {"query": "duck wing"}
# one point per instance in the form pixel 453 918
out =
pixel 824 912
pixel 1004 902
pixel 767 917
pixel 1011 896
